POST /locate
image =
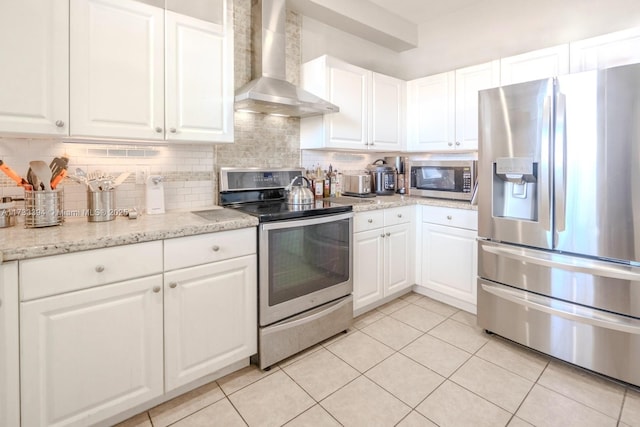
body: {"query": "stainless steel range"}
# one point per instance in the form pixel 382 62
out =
pixel 304 261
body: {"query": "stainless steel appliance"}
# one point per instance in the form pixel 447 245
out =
pixel 559 217
pixel 399 163
pixel 269 92
pixel 446 179
pixel 305 261
pixel 383 178
pixel 357 184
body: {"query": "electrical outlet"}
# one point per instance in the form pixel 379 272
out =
pixel 142 172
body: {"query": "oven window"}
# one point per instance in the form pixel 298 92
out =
pixel 306 259
pixel 436 178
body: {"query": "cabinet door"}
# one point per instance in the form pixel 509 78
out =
pixel 449 261
pixel 210 318
pixel 539 64
pixel 398 266
pixel 91 354
pixel 469 81
pixel 34 76
pixel 386 113
pixel 609 50
pixel 432 113
pixel 348 89
pixel 199 80
pixel 9 351
pixel 117 69
pixel 368 265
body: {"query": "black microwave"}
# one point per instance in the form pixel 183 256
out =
pixel 447 179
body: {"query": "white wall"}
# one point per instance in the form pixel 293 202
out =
pixel 480 32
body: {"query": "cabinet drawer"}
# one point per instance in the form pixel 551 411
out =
pixel 204 248
pixel 52 275
pixel 394 216
pixel 364 221
pixel 461 218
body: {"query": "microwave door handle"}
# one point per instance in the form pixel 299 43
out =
pixel 560 163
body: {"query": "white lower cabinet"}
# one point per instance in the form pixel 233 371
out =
pixel 105 331
pixel 91 354
pixel 210 318
pixel 449 256
pixel 9 347
pixel 382 253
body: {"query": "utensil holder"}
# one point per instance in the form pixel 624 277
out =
pixel 43 208
pixel 101 205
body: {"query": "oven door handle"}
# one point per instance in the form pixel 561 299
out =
pixel 564 309
pixel 311 315
pixel 314 220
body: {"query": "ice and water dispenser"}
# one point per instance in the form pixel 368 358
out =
pixel 515 186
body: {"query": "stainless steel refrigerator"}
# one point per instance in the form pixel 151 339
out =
pixel 559 217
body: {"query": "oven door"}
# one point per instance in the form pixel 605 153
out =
pixel 303 263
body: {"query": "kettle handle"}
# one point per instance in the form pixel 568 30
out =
pixel 299 176
pixel 384 162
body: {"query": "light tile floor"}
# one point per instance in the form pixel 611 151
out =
pixel 411 362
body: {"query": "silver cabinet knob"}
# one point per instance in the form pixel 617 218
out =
pixel 215 248
pixel 159 129
pixel 59 123
pixel 388 234
pixel 370 220
pixel 382 235
pixel 99 268
pixel 458 143
pixel 172 130
pixel 156 289
pixel 450 144
pixel 173 285
pixel 449 217
pixel 399 215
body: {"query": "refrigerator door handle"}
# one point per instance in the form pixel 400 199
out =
pixel 560 163
pixel 545 166
pixel 569 263
pixel 564 309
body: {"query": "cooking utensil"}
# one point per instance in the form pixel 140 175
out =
pixel 58 164
pixel 120 179
pixel 57 178
pixel 42 171
pixel 299 195
pixel 14 176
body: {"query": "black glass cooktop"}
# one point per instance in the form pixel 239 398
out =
pixel 280 210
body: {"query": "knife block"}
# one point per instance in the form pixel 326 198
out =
pixel 154 195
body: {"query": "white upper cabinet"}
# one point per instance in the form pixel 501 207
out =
pixel 138 72
pixel 34 76
pixel 535 65
pixel 199 80
pixel 386 115
pixel 443 108
pixel 370 116
pixel 117 69
pixel 609 50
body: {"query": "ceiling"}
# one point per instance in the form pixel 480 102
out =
pixel 421 11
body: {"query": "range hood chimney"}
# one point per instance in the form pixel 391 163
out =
pixel 269 92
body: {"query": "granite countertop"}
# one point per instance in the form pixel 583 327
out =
pixel 383 202
pixel 77 234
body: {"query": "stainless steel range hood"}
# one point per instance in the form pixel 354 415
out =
pixel 269 92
